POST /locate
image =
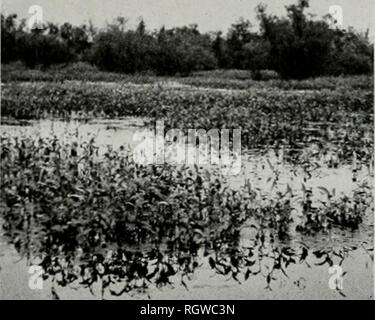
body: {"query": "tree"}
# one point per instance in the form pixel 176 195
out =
pixel 301 47
pixel 8 38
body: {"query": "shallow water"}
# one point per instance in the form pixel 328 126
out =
pixel 258 170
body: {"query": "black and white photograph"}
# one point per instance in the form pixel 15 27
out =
pixel 190 150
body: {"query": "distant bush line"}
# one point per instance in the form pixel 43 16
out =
pixel 295 46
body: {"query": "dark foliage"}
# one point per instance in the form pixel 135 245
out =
pixel 301 47
pixel 295 46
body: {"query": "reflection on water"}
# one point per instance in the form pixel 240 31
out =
pixel 268 174
pixel 107 132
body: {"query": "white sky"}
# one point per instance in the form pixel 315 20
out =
pixel 210 15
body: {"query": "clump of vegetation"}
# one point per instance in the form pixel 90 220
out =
pixel 301 47
pixel 217 79
pixel 81 71
pixel 267 119
pixel 295 47
pixel 344 212
pixel 89 217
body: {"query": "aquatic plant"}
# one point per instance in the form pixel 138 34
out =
pixel 88 218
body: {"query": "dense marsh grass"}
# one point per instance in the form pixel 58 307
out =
pixel 267 118
pixel 219 79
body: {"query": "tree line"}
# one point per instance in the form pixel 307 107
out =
pixel 295 46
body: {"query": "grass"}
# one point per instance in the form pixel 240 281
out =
pixel 215 79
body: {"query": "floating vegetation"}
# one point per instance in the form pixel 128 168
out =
pixel 329 120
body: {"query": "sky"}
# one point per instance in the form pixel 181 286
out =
pixel 210 15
